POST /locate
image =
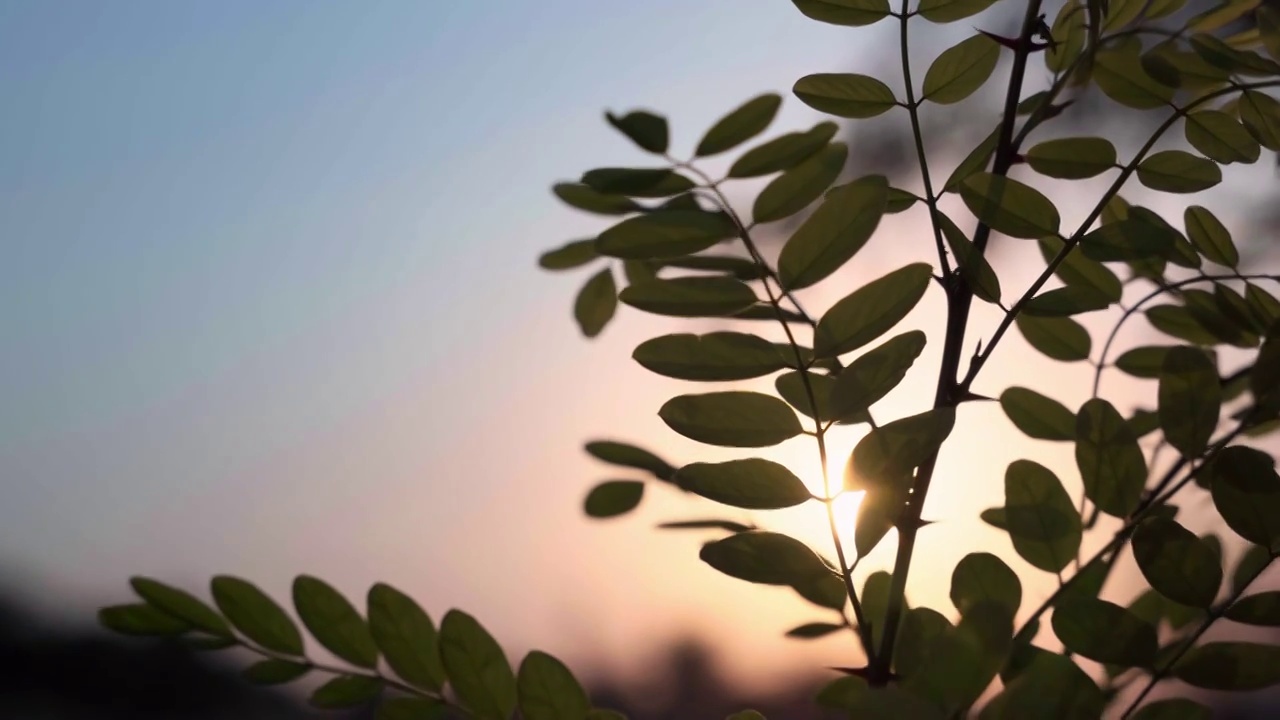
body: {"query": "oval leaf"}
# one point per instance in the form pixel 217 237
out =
pixel 182 605
pixel 596 303
pixel 1190 399
pixel 690 296
pixel 850 13
pixel 710 357
pixel 1038 416
pixel 795 189
pixel 1072 158
pixel 1039 516
pixel 645 129
pixel 766 558
pixel 406 636
pixel 346 691
pixel 1237 666
pixel 873 375
pixel 834 233
pixel 1105 632
pixel 256 615
pixel 745 122
pixel 334 622
pixel 670 233
pixel 845 95
pixel 1111 464
pixel 754 484
pixel 783 152
pixel 613 498
pixel 731 419
pixel 477 668
pixel 960 70
pixel 1008 206
pixel 1060 338
pixel 1176 171
pixel 1179 565
pixel 870 311
pixel 982 577
pixel 549 691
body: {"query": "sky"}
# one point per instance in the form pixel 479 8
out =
pixel 269 304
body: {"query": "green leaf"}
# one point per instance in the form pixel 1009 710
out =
pixel 1210 237
pixel 743 123
pixel 964 661
pixel 638 271
pixel 477 668
pixel 850 13
pixel 1121 77
pixel 791 387
pixel 1266 309
pixel 845 95
pixel 1072 158
pixel 1040 517
pixel 334 621
pixel 878 513
pixel 921 627
pixel 1069 34
pixel 1105 632
pixel 975 162
pixel 637 182
pixel 1190 399
pixel 1174 709
pixel 612 498
pixel 1251 564
pixel 274 672
pixel 960 70
pixel 766 558
pixel 809 631
pixel 1176 171
pixel 1079 270
pixel 1038 416
pixel 346 691
pixel 874 374
pixel 795 189
pixel 783 152
pixel 1176 321
pixel 627 455
pixel 871 311
pixel 710 357
pixel 182 605
pixel 1222 14
pixel 1257 609
pixel 1179 565
pixel 753 483
pixel 584 197
pixel 1008 206
pixel 1220 137
pixel 1268 28
pixel 1058 338
pixel 1218 53
pixel 1051 686
pixel 973 266
pixel 731 419
pixel 596 303
pixel 982 577
pixel 690 296
pixel 1260 114
pixel 411 708
pixel 1109 459
pixel 834 233
pixel 664 234
pixel 1136 237
pixel 141 620
pixel 568 256
pixel 945 11
pixel 739 267
pixel 549 691
pixel 1143 362
pixel 256 615
pixel 1246 492
pixel 645 129
pixel 406 636
pixel 887 454
pixel 1237 666
pixel 1066 301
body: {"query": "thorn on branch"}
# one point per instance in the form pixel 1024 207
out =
pixel 1030 44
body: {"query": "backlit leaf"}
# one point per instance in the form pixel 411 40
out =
pixel 1143 362
pixel 334 621
pixel 182 605
pixel 1176 171
pixel 346 691
pixel 837 230
pixel 1059 338
pixel 845 95
pixel 1104 631
pixel 1239 666
pixel 549 691
pixel 613 497
pixel 626 455
pixel 983 577
pixel 809 631
pixel 945 11
pixel 1220 137
pixel 783 152
pixel 743 123
pixel 1260 114
pixel 1258 609
pixel 669 233
pixel 1066 301
pixel 141 620
pixel 1179 565
pixel 596 303
pixel 875 373
pixel 1134 238
pixel 256 615
pixel 1111 464
pixel 731 419
pixel 710 357
pixel 478 669
pixel 1072 158
pixel 1246 492
pixel 763 557
pixel 887 454
pixel 637 182
pixel 973 266
pixel 1052 685
pixel 976 161
pixel 851 13
pixel 1210 237
pixel 796 188
pixel 1121 77
pixel 1008 206
pixel 1040 517
pixel 754 483
pixel 584 197
pixel 1038 416
pixel 693 296
pixel 960 70
pixel 1190 399
pixel 570 255
pixel 1176 321
pixel 870 311
pixel 645 129
pixel 1077 269
pixel 406 636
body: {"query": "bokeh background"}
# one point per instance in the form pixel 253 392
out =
pixel 269 304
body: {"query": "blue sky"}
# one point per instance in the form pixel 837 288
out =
pixel 269 304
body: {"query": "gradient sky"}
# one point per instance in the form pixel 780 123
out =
pixel 269 305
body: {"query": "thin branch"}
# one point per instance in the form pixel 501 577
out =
pixel 913 109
